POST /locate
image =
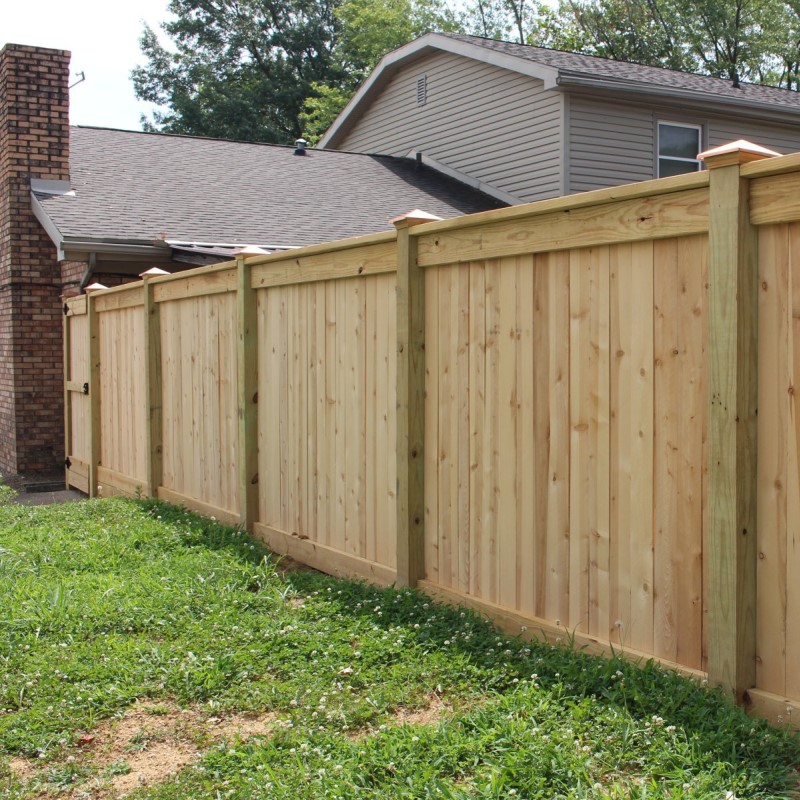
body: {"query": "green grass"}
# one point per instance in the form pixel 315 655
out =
pixel 108 601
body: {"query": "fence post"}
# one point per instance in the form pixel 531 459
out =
pixel 152 382
pixel 66 341
pixel 410 402
pixel 247 370
pixel 731 543
pixel 93 328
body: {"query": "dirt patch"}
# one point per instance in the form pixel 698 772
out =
pixel 425 715
pixel 22 768
pixel 147 745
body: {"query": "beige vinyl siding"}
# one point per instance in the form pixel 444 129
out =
pixel 783 139
pixel 491 124
pixel 609 144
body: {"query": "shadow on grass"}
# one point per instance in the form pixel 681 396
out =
pixel 642 691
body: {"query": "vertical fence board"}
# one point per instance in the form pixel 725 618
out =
pixel 531 452
pixel 555 428
pixel 632 446
pixel 432 407
pixel 793 481
pixel 773 420
pixel 269 366
pixel 477 393
pixel 491 421
pixel 506 562
pixel 679 290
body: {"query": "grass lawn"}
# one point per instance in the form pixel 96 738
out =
pixel 146 650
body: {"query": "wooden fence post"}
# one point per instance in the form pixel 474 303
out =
pixel 731 543
pixel 93 328
pixel 410 402
pixel 247 370
pixel 67 355
pixel 152 382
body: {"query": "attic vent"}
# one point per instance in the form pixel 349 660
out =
pixel 422 90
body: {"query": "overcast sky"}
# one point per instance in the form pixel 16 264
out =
pixel 103 36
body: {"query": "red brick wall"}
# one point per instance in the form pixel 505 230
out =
pixel 34 143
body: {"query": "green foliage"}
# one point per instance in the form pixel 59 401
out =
pixel 238 70
pixel 110 601
pixel 7 494
pixel 522 21
pixel 723 38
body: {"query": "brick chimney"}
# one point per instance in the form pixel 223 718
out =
pixel 34 143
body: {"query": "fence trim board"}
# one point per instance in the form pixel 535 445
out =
pixel 775 708
pixel 182 287
pixel 597 197
pixel 362 261
pixel 192 504
pixel 775 199
pixel 515 624
pixel 76 306
pixel 322 557
pixel 123 484
pixel 120 300
pixel 637 219
pixel 325 247
pixel 771 166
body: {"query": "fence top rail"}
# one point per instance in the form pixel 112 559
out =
pixel 598 197
pixel 123 287
pixel 771 166
pixel 325 247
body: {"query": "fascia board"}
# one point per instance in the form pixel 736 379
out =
pixel 49 226
pixel 706 101
pixel 474 183
pixel 430 43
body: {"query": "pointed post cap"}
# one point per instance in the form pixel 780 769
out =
pixel 153 272
pixel 739 152
pixel 415 217
pixel 94 287
pixel 251 250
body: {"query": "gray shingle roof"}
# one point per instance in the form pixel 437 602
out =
pixel 632 74
pixel 144 187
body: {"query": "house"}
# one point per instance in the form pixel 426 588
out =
pixel 527 123
pixel 79 205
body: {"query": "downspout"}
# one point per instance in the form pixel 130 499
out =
pixel 87 275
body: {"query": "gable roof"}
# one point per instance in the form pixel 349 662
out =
pixel 146 188
pixel 562 70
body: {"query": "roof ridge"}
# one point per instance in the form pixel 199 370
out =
pixel 471 37
pixel 312 150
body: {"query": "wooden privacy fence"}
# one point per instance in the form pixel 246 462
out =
pixel 547 412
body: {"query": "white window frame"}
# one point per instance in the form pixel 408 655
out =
pixel 698 128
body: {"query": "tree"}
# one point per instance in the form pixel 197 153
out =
pixel 368 30
pixel 523 21
pixel 725 38
pixel 239 69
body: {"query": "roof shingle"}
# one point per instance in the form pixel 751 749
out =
pixel 632 74
pixel 145 187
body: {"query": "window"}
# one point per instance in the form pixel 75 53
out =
pixel 678 146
